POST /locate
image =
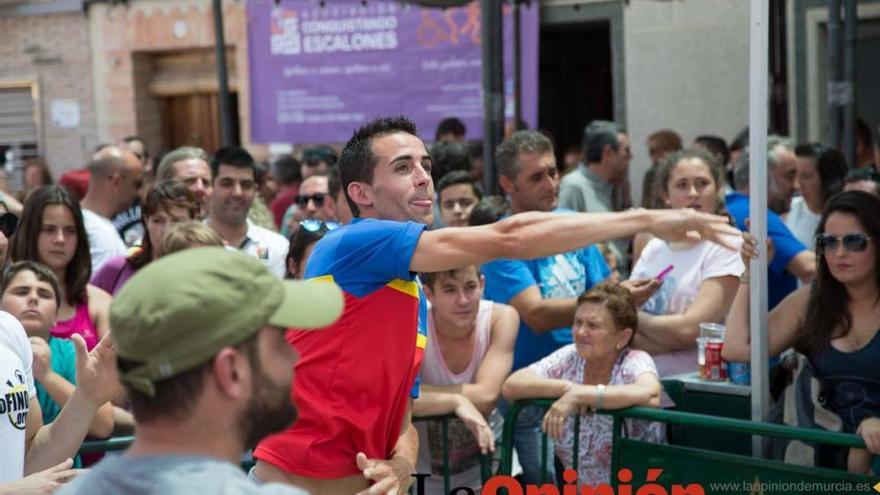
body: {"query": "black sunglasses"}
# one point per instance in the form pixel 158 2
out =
pixel 303 200
pixel 851 242
pixel 8 224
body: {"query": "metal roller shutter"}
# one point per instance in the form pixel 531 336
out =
pixel 19 136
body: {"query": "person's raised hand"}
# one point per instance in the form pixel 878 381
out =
pixel 641 289
pixel 43 482
pixel 476 423
pixel 687 225
pixel 391 477
pixel 42 358
pixel 96 375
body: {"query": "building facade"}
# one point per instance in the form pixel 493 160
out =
pixel 76 73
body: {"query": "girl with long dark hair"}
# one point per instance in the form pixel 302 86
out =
pixel 697 280
pixel 834 321
pixel 51 232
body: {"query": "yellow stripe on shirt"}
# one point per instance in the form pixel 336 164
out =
pixel 406 286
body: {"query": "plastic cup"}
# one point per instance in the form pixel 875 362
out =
pixel 713 331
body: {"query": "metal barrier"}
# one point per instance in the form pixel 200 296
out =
pixel 680 464
pixel 122 443
pixel 108 445
pixel 485 459
pixel 509 427
pixel 688 465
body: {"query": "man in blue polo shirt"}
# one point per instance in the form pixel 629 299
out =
pixel 544 290
pixel 792 260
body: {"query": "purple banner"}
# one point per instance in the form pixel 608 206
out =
pixel 317 72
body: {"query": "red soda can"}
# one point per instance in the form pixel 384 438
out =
pixel 716 368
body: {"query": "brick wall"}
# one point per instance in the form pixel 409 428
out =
pixel 53 50
pixel 126 37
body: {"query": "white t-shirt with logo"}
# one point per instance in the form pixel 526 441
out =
pixel 16 390
pixel 691 266
pixel 104 240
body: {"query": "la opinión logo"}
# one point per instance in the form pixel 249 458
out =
pixel 500 485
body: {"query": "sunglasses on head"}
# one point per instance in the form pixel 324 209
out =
pixel 303 200
pixel 312 225
pixel 851 242
pixel 8 224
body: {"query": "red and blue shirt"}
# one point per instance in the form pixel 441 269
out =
pixel 354 379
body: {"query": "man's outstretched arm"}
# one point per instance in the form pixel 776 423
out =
pixel 537 234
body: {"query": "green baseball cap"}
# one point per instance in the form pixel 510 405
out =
pixel 179 310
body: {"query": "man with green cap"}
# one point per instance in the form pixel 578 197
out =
pixel 201 351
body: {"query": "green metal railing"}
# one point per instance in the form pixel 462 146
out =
pixel 108 445
pixel 122 443
pixel 687 465
pixel 680 463
pixel 485 459
pixel 510 426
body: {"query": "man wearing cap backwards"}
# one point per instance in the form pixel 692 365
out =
pixel 356 379
pixel 206 380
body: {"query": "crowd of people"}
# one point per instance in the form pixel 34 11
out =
pixel 143 295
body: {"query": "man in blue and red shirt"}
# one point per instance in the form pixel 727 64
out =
pixel 356 379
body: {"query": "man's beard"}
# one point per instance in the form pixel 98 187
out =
pixel 270 410
pixel 776 203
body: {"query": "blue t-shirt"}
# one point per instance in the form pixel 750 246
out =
pixel 780 282
pixel 563 275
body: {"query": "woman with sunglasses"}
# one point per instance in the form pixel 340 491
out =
pixel 51 232
pixel 301 244
pixel 835 321
pixel 168 202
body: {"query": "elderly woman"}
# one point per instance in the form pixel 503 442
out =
pixel 598 371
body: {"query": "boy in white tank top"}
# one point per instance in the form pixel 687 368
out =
pixel 468 357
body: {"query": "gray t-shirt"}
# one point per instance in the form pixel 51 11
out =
pixel 169 475
pixel 582 190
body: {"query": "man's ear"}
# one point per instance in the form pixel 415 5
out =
pixel 607 152
pixel 506 184
pixel 429 294
pixel 360 193
pixel 232 373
